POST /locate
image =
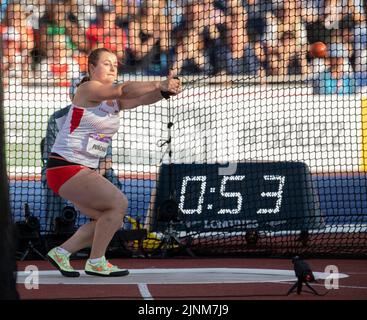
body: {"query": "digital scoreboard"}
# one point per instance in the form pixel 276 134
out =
pixel 269 196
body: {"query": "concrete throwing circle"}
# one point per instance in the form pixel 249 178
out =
pixel 174 276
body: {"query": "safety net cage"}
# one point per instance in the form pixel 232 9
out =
pixel 264 151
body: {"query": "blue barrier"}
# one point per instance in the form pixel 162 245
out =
pixel 343 198
pixel 138 192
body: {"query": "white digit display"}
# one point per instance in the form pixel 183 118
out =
pixel 225 194
pixel 278 194
pixel 185 182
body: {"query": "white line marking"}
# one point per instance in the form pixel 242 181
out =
pixel 177 276
pixel 270 272
pixel 322 285
pixel 144 291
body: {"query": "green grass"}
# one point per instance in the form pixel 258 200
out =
pixel 25 154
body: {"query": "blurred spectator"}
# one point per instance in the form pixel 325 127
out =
pixel 84 11
pixel 286 40
pixel 360 49
pixel 237 54
pixel 126 11
pixel 338 77
pixel 18 42
pixel 60 21
pixel 346 19
pixel 10 60
pixel 176 12
pixel 357 37
pixel 313 14
pixel 201 20
pixel 360 52
pixel 284 54
pixel 123 12
pixel 105 33
pixel 337 11
pixel 148 38
pixel 242 58
pixel 236 24
pixel 3 4
pixel 35 10
pixel 238 36
pixel 356 30
pixel 59 64
pixel 256 23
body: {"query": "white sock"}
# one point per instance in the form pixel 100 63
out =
pixel 62 250
pixel 95 260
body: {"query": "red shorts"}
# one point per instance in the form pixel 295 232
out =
pixel 57 176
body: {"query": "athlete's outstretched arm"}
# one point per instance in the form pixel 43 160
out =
pixel 136 89
pixel 95 91
pixel 137 93
pixel 171 86
pixel 146 99
pixel 132 90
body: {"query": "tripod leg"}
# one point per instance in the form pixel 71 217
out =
pixel 292 288
pixel 299 287
pixel 312 289
pixel 162 248
pixel 25 254
pixel 183 246
pixel 39 253
pixel 33 248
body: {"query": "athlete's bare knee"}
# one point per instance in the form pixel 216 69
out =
pixel 112 218
pixel 125 204
pixel 120 210
pixel 121 204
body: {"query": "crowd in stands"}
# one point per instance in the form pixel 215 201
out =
pixel 259 38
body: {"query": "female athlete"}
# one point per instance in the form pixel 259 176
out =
pixel 90 124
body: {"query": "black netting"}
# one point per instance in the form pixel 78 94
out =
pixel 263 152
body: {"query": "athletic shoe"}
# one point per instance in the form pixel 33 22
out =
pixel 104 269
pixel 62 263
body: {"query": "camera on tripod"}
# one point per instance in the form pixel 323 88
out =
pixel 28 235
pixel 170 215
pixel 304 275
pixel 65 223
pixel 29 228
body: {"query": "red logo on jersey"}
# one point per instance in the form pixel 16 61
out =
pixel 76 118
